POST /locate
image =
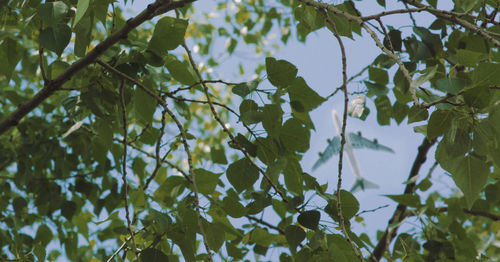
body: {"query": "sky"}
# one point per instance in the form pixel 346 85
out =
pixel 319 63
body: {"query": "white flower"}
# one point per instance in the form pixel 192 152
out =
pixel 356 106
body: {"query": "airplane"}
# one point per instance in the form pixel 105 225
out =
pixel 353 140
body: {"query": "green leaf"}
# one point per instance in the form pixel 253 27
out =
pixel 343 250
pixel 427 75
pixel 215 236
pixel 144 106
pixel 417 114
pixel 246 144
pixel 180 71
pixel 309 219
pixel 492 193
pixel 233 207
pixel 153 255
pixel 272 119
pixel 471 176
pixel 56 68
pixel 379 76
pixel 68 209
pixel 293 176
pixel 168 34
pixel 267 150
pixel 55 38
pixel 250 112
pixel 478 97
pixel 261 237
pixel 294 236
pixel 450 85
pixel 439 123
pixel 218 155
pixel 280 73
pixel 349 204
pixel 206 181
pixel 467 57
pixel 486 74
pixel 53 12
pixel 404 244
pixel 40 252
pixel 410 200
pixel 399 112
pixel 242 174
pixel 19 205
pixel 274 169
pixel 81 8
pixel 376 89
pixel 10 54
pixel 43 235
pixel 384 110
pixel 395 37
pixel 294 136
pixel 83 35
pixel 182 108
pixel 303 97
pixel 245 88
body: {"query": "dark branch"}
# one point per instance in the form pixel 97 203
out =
pixel 400 213
pixel 154 9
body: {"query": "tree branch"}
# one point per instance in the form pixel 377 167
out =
pixel 474 213
pixel 158 7
pixel 400 213
pixel 454 17
pixel 124 168
pixel 342 134
pixel 260 221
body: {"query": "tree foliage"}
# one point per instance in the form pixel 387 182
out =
pixel 120 140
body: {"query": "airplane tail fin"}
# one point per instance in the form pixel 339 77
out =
pixel 362 184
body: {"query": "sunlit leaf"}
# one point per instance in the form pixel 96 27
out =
pixel 168 34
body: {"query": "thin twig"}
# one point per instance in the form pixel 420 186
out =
pixel 130 79
pixel 431 170
pixel 371 210
pixel 348 81
pixel 342 134
pixel 474 213
pixel 392 12
pixel 442 100
pixel 124 167
pixel 414 22
pixel 123 246
pixel 197 83
pixel 192 174
pixel 391 46
pixel 152 156
pixel 40 55
pixel 206 102
pixel 260 221
pixel 157 151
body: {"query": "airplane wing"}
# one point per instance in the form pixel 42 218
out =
pixel 333 148
pixel 359 141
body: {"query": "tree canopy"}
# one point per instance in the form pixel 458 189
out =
pixel 122 140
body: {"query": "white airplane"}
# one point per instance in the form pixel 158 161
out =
pixel 353 140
